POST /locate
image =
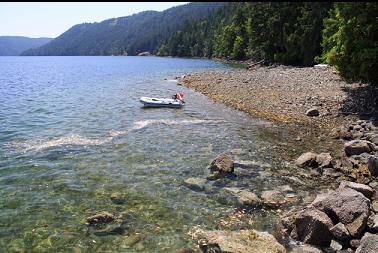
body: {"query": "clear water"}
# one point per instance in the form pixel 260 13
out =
pixel 72 132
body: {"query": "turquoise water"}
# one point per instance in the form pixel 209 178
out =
pixel 73 132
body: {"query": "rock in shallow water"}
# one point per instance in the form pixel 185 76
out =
pixel 196 184
pixel 244 197
pixel 223 164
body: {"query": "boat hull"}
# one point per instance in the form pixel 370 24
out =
pixel 161 102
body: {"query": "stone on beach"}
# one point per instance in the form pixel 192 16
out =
pixel 356 147
pixel 373 165
pixel 243 241
pixel 312 226
pixel 306 159
pixel 347 206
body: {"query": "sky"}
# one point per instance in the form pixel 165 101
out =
pixel 41 19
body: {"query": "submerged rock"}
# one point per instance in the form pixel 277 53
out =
pixel 117 198
pixel 243 241
pixel 106 223
pixel 272 198
pixel 196 184
pixel 244 197
pixel 223 164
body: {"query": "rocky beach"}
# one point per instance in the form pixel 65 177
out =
pixel 331 148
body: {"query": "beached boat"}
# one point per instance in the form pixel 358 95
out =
pixel 177 101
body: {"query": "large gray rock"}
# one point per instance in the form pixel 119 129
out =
pixel 244 241
pixel 347 206
pixel 357 147
pixel 366 190
pixel 244 197
pixel 223 164
pixel 369 244
pixel 324 160
pixel 306 159
pixel 373 165
pixel 312 226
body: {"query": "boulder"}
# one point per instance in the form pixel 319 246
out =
pixel 312 112
pixel 347 206
pixel 366 190
pixel 324 160
pixel 223 164
pixel 312 226
pixel 306 159
pixel 340 232
pixel 244 197
pixel 373 165
pixel 243 241
pixel 369 244
pixel 356 147
pixel 196 184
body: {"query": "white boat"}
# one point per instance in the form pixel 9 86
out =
pixel 177 101
pixel 161 102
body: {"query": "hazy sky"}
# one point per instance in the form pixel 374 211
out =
pixel 52 19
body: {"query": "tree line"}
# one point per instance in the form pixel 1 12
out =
pixel 343 34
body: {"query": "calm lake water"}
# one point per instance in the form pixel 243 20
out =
pixel 73 132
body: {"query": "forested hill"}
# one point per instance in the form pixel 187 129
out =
pixel 130 35
pixel 15 45
pixel 343 34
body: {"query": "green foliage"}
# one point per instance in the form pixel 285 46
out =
pixel 350 40
pixel 284 32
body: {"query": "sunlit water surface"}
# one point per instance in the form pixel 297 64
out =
pixel 73 132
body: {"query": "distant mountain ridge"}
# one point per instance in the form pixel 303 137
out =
pixel 144 31
pixel 15 45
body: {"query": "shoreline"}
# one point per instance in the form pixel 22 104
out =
pixel 326 115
